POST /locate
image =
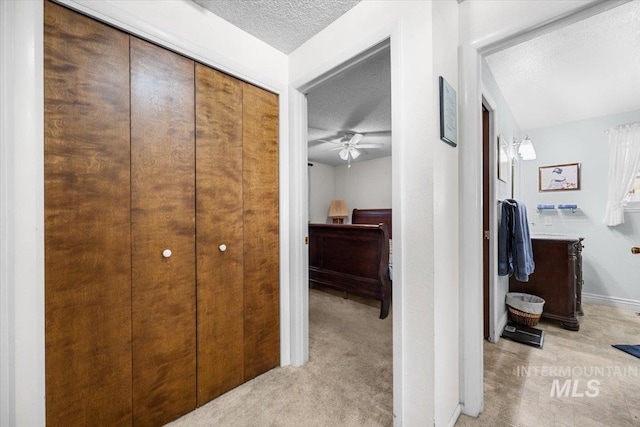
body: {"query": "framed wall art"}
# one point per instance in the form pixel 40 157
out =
pixel 559 177
pixel 448 113
pixel 503 160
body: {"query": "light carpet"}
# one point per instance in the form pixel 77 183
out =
pixel 347 382
pixel 519 379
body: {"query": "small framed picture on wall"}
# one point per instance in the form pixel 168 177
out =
pixel 448 113
pixel 559 177
pixel 503 160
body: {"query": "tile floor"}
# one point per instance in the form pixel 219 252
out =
pixel 612 398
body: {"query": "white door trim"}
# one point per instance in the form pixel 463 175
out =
pixel 22 385
pixel 492 107
pixel 299 196
pixel 471 306
pixel 299 157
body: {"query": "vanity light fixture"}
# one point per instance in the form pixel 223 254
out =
pixel 526 149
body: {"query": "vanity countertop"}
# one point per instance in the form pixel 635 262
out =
pixel 554 236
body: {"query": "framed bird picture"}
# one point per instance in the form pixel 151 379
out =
pixel 559 177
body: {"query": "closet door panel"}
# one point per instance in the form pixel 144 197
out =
pixel 261 231
pixel 219 222
pixel 163 217
pixel 87 221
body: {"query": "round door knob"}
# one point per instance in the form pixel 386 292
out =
pixel 166 253
pixel 222 247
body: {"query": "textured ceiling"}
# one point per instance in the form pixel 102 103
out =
pixel 356 100
pixel 588 69
pixel 284 24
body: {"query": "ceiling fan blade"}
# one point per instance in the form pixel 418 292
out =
pixel 356 138
pixel 371 145
pixel 355 153
pixel 329 142
pixel 379 133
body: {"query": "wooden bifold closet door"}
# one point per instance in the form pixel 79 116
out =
pixel 220 233
pixel 261 230
pixel 238 229
pixel 87 221
pixel 161 228
pixel 163 219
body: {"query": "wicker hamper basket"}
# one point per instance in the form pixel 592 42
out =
pixel 524 309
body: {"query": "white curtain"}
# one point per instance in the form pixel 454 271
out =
pixel 624 164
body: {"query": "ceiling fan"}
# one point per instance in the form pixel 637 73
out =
pixel 349 146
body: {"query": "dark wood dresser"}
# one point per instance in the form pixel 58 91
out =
pixel 557 277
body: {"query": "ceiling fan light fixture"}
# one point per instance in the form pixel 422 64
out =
pixel 344 154
pixel 355 153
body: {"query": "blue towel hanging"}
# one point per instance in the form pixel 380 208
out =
pixel 515 255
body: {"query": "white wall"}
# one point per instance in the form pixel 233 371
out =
pixel 609 268
pixel 446 219
pixel 322 189
pixel 366 185
pixel 417 152
pixel 506 126
pixel 178 25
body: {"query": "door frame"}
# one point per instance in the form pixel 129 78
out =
pixel 509 29
pixel 486 223
pixel 299 223
pixel 495 321
pixel 22 371
pixel 299 150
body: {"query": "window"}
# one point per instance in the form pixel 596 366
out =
pixel 633 197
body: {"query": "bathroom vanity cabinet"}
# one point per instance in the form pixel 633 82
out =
pixel 557 277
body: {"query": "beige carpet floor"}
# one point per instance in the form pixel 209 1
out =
pixel 347 382
pixel 513 398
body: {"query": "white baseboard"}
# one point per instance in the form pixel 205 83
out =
pixel 456 414
pixel 503 322
pixel 498 331
pixel 624 303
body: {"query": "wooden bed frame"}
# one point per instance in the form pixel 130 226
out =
pixel 354 258
pixel 373 216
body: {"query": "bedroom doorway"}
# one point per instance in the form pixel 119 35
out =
pixel 349 166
